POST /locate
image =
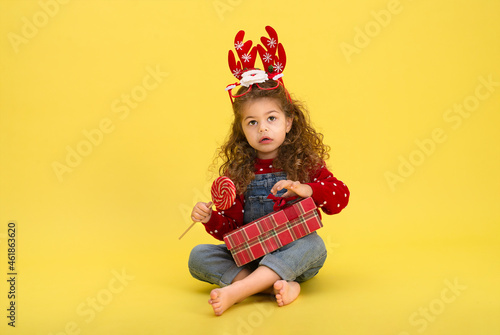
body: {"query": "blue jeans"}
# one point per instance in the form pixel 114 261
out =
pixel 298 261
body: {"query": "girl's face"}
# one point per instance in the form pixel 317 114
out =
pixel 265 126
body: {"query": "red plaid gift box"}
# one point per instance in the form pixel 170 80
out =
pixel 273 231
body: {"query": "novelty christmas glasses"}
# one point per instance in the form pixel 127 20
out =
pixel 273 59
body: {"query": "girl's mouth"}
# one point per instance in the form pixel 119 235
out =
pixel 265 140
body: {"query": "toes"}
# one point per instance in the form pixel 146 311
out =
pixel 280 286
pixel 215 301
pixel 281 291
pixel 217 309
pixel 214 295
pixel 279 300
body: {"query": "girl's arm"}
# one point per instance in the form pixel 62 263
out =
pixel 329 193
pixel 222 222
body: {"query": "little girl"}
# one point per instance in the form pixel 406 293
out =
pixel 271 149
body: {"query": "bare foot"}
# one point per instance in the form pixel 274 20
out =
pixel 221 299
pixel 261 279
pixel 286 292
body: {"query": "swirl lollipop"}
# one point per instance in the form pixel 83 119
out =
pixel 223 193
pixel 223 196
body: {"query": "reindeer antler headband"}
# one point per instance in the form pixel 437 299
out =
pixel 273 59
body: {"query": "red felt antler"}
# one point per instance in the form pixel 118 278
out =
pixel 273 64
pixel 246 54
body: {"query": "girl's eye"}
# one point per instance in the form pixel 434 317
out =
pixel 252 123
pixel 272 118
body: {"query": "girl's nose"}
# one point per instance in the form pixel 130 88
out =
pixel 263 129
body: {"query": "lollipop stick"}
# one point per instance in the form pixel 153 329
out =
pixel 209 204
pixel 184 233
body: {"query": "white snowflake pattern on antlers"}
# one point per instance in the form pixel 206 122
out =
pixel 278 67
pixel 237 72
pixel 238 45
pixel 246 57
pixel 271 43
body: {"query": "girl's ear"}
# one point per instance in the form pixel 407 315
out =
pixel 289 122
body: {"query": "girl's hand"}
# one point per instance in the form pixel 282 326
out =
pixel 293 188
pixel 202 212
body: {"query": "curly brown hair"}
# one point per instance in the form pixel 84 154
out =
pixel 302 152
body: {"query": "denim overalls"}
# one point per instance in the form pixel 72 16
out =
pixel 256 203
pixel 298 261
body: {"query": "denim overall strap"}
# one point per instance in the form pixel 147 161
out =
pixel 256 203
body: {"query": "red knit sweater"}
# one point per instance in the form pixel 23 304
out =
pixel 329 194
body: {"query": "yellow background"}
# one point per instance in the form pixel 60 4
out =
pixel 393 252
